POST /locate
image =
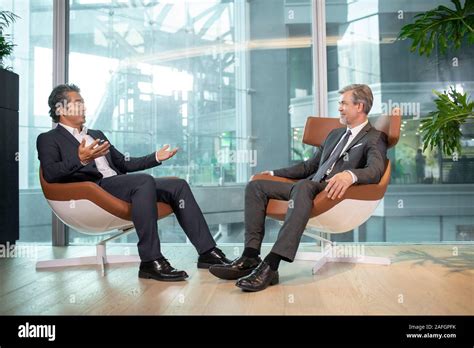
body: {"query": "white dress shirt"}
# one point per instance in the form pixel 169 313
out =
pixel 101 162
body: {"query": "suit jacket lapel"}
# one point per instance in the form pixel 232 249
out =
pixel 94 134
pixel 332 144
pixel 359 136
pixel 64 132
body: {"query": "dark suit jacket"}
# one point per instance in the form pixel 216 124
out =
pixel 366 157
pixel 58 154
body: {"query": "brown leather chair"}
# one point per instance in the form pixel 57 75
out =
pixel 89 209
pixel 346 213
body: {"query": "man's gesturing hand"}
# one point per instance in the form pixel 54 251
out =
pixel 163 154
pixel 338 185
pixel 91 152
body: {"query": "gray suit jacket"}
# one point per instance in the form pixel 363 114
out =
pixel 365 156
pixel 57 152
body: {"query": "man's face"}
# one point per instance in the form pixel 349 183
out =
pixel 349 112
pixel 73 110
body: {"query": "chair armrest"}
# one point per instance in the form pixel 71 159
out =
pixel 370 192
pixel 271 178
pixel 366 192
pixel 90 191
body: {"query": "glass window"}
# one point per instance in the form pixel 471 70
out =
pixel 231 84
pixel 32 60
pixel 430 196
pixel 225 81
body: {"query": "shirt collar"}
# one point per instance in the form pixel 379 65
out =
pixel 74 131
pixel 357 129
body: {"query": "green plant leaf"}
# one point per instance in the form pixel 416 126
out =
pixel 6 45
pixel 433 27
pixel 7 18
pixel 442 127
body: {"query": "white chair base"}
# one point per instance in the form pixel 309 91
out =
pixel 100 258
pixel 331 254
pixel 322 258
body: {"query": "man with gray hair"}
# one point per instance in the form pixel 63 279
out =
pixel 354 154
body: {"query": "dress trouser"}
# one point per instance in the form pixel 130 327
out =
pixel 143 191
pixel 300 196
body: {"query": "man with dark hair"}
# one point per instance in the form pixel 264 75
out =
pixel 349 155
pixel 71 152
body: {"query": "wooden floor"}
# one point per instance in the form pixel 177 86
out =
pixel 429 279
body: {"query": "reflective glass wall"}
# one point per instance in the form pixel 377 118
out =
pixel 431 195
pixel 231 84
pixel 32 60
pixel 228 82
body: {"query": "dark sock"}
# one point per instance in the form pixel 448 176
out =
pixel 251 252
pixel 273 260
pixel 161 258
pixel 208 251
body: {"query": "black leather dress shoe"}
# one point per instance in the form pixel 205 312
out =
pixel 214 257
pixel 239 268
pixel 260 278
pixel 160 269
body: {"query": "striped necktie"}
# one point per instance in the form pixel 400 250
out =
pixel 326 167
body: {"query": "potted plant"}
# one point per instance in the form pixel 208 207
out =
pixel 452 29
pixel 6 45
pixel 9 98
